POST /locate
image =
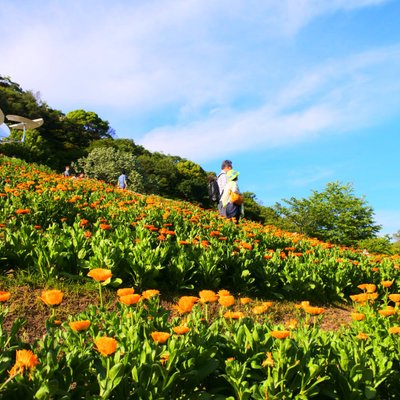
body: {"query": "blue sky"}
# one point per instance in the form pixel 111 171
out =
pixel 297 93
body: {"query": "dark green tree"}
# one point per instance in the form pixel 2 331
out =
pixel 334 215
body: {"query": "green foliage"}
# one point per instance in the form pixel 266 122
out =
pixel 107 163
pixel 335 215
pixel 377 245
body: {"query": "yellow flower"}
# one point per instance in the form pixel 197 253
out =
pixel 106 345
pixel 269 361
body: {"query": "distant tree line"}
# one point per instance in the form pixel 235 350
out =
pixel 86 142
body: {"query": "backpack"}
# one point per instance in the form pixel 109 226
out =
pixel 236 198
pixel 213 190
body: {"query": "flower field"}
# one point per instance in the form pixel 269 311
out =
pixel 53 227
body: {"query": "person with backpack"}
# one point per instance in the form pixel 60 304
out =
pixel 213 189
pixel 232 200
pixel 122 184
pixel 225 167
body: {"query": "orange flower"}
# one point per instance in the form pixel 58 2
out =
pixel 148 294
pixel 106 345
pixel 185 304
pixel 4 296
pixel 22 211
pixel 226 301
pixel 208 296
pixel 395 297
pixel 223 292
pixel 367 287
pixel 105 227
pixel 100 274
pixel 84 223
pixel 87 234
pixel 130 299
pixel 245 300
pixel 387 284
pixel 387 312
pixel 234 315
pixel 181 330
pixel 362 336
pixel 52 297
pixel 394 330
pixel 314 310
pixel 78 326
pixel 358 316
pixel 24 360
pixel 359 298
pixel 280 334
pixel 125 291
pixel 160 337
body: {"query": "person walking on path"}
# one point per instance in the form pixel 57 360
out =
pixel 222 181
pixel 122 184
pixel 232 210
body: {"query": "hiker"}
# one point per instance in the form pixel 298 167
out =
pixel 122 184
pixel 232 200
pixel 225 167
pixel 67 172
pixel 213 189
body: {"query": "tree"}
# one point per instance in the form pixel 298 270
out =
pixel 335 215
pixel 107 163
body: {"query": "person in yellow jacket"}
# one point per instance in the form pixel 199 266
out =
pixel 232 210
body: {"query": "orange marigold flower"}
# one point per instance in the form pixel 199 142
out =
pixel 4 296
pixel 395 297
pixel 359 298
pixel 368 287
pixel 160 337
pixel 280 334
pixel 245 300
pixel 234 315
pixel 387 284
pixel 314 310
pixel 394 330
pixel 387 312
pixel 148 294
pixel 105 227
pixel 22 211
pixel 130 299
pixel 181 330
pixel 208 296
pixel 100 274
pixel 87 234
pixel 52 297
pixel 223 292
pixel 78 326
pixel 125 291
pixel 358 316
pixel 24 360
pixel 84 223
pixel 226 301
pixel 185 304
pixel 362 336
pixel 106 345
